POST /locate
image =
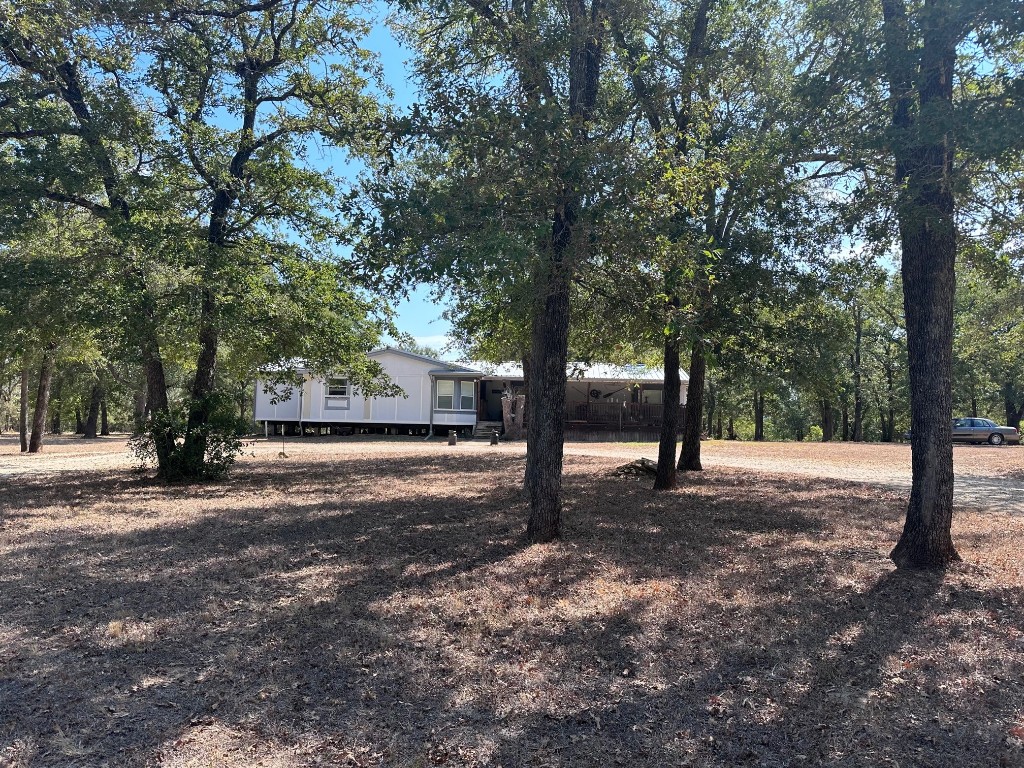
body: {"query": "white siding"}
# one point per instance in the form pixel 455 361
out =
pixel 417 402
pixel 451 418
pixel 412 374
pixel 283 410
pixel 309 401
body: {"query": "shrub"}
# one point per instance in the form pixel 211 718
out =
pixel 204 452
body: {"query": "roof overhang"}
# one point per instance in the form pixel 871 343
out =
pixel 447 373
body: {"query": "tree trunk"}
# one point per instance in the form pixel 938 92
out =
pixel 23 413
pixel 549 338
pixel 923 150
pixel 1013 413
pixel 718 426
pixel 846 420
pixel 545 401
pixel 513 406
pixel 55 405
pixel 42 402
pixel 758 415
pixel 828 421
pixel 95 396
pixel 665 478
pixel 527 373
pixel 79 424
pixel 193 450
pixel 712 403
pixel 882 426
pixel 104 427
pixel 732 430
pixel 858 393
pixel 689 457
pixel 144 312
pixel 159 410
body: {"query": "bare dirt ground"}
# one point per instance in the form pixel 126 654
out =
pixel 372 603
pixel 987 477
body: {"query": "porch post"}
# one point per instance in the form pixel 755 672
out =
pixel 430 432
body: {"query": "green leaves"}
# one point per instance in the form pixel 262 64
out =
pixel 190 134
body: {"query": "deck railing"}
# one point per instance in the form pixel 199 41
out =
pixel 617 415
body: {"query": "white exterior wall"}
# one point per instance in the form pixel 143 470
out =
pixel 285 410
pixel 454 418
pixel 409 373
pixel 412 374
pixel 310 391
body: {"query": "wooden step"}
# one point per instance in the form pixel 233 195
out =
pixel 484 429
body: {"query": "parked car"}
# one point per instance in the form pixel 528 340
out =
pixel 971 430
pixel 983 431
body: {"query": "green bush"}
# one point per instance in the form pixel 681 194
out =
pixel 205 452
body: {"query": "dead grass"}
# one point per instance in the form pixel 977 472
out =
pixel 892 459
pixel 357 605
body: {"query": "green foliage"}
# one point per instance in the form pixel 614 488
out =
pixel 408 344
pixel 988 343
pixel 221 436
pixel 184 138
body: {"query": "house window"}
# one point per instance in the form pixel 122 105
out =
pixel 337 395
pixel 445 395
pixel 654 396
pixel 456 395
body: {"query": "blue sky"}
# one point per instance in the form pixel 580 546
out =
pixel 418 315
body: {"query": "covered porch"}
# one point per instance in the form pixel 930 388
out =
pixel 617 415
pixel 602 402
pixel 614 410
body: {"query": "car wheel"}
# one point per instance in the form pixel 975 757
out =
pixel 995 439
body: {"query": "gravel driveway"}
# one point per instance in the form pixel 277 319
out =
pixel 970 491
pixel 987 477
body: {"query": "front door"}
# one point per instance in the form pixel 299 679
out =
pixel 490 400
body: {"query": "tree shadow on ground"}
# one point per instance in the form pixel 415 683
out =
pixel 385 611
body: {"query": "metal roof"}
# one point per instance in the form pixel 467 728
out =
pixel 580 371
pixel 455 373
pixel 479 368
pixel 443 365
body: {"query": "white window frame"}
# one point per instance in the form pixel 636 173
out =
pixel 336 394
pixel 460 389
pixel 450 395
pixel 467 389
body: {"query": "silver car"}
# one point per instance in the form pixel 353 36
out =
pixel 983 431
